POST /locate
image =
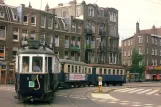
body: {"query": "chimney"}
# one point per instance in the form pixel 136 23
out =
pixel 60 4
pixel 30 5
pixel 2 2
pixel 153 30
pixel 74 8
pixel 137 28
pixel 47 7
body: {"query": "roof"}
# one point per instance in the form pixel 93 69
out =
pixel 72 62
pixel 40 50
pixel 105 66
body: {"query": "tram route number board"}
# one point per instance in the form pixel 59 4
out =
pixel 31 84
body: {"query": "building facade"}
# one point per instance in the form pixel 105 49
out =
pixel 148 44
pixel 99 30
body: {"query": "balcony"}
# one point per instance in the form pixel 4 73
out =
pixel 74 48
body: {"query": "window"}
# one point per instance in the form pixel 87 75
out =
pixel 100 71
pixel 57 41
pixel 2 32
pixel 2 52
pixel 147 39
pixel 121 72
pixel 14 15
pixel 24 36
pixel 131 42
pixel 156 52
pixel 73 41
pixel 66 42
pixel 2 14
pixel 109 71
pixel 128 62
pixel 48 64
pixel 72 68
pixel 90 11
pixel 66 55
pixel 79 28
pixel 57 54
pixel 140 50
pixel 78 11
pixel 146 50
pixel 68 68
pixel 155 41
pixel 128 42
pixel 33 20
pixel 89 70
pixel 118 72
pixel 101 12
pixel 50 23
pixel 32 35
pixel 75 69
pixel 15 34
pixel 74 27
pixel 79 69
pixel 152 40
pixel 43 21
pixel 93 27
pixel 152 51
pixel 140 39
pixel 114 71
pixel 64 12
pixel 37 63
pixel 128 52
pixel 25 19
pixel 155 62
pixel 25 64
pixel 14 52
pixel 79 43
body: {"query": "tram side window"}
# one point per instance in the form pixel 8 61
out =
pixel 121 72
pixel 68 68
pixel 109 71
pixel 113 71
pixel 100 72
pixel 105 72
pixel 79 69
pixel 37 64
pixel 89 70
pixel 46 64
pixel 118 72
pixel 25 66
pixel 85 70
pixel 72 68
pixel 50 64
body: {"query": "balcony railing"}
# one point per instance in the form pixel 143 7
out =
pixel 74 48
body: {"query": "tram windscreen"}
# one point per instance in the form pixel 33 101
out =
pixel 37 64
pixel 25 60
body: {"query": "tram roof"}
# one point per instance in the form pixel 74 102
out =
pixel 72 62
pixel 40 50
pixel 105 66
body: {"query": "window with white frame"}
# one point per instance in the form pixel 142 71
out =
pixel 140 39
pixel 57 41
pixel 74 27
pixel 79 43
pixel 33 20
pixel 79 28
pixel 156 51
pixel 33 35
pixel 78 11
pixel 66 42
pixel 91 11
pixel 156 62
pixel 129 42
pixel 124 53
pixel 2 52
pixel 15 34
pixel 155 41
pixel 101 12
pixel 140 50
pixel 14 15
pixel 146 50
pixel 1 14
pixel 63 12
pixel 73 41
pixel 152 51
pixel 147 39
pixel 50 23
pixel 24 37
pixel 153 62
pixel 25 19
pixel 14 52
pixel 2 32
pixel 152 40
pixel 43 21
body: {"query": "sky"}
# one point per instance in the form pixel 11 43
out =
pixel 146 12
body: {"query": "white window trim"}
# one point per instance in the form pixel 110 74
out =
pixel 74 27
pixel 4 36
pixel 25 23
pixel 44 22
pixel 13 15
pixel 3 14
pixel 58 42
pixel 51 27
pixel 33 24
pixel 17 36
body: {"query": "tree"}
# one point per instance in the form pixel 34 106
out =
pixel 138 65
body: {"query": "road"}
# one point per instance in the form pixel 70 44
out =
pixel 129 95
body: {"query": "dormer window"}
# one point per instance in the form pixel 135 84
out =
pixel 33 20
pixel 2 14
pixel 91 11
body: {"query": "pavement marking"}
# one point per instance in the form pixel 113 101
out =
pixel 122 89
pixel 124 103
pixel 136 102
pixel 103 96
pixel 130 89
pixel 112 102
pixel 144 91
pixel 148 104
pixel 136 105
pixel 136 90
pixel 152 92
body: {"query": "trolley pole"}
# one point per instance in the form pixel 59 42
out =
pixel 99 84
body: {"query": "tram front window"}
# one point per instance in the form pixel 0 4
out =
pixel 37 64
pixel 25 65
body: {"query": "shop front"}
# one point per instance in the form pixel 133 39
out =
pixel 152 73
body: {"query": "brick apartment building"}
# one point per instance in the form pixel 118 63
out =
pixel 147 42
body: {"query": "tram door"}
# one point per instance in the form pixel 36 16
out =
pixel 94 76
